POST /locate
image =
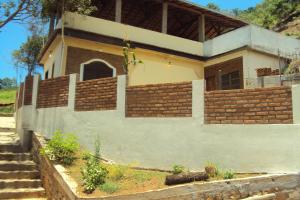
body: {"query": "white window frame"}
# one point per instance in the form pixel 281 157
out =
pixel 96 60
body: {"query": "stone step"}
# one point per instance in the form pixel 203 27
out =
pixel 22 193
pixel 15 156
pixel 2 129
pixel 13 148
pixel 20 183
pixel 34 174
pixel 17 165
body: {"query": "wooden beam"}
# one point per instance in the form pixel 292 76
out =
pixel 118 11
pixel 164 24
pixel 201 28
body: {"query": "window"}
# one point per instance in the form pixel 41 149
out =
pixel 231 81
pixel 47 75
pixel 96 69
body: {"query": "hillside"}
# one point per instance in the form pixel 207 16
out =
pixel 291 28
pixel 7 96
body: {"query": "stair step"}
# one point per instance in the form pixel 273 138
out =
pixel 20 183
pixel 15 156
pixel 13 148
pixel 34 174
pixel 17 165
pixel 22 193
pixel 262 197
pixel 2 129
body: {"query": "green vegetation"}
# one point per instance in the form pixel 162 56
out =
pixel 228 175
pixel 178 169
pixel 110 187
pixel 7 96
pixel 62 148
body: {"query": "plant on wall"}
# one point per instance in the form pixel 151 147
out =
pixel 129 57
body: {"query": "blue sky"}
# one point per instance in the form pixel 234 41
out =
pixel 12 36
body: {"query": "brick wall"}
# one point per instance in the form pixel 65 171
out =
pixel 99 94
pixel 53 92
pixel 250 106
pixel 28 90
pixel 160 100
pixel 77 56
pixel 20 99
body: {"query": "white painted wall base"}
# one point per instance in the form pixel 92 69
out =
pixel 161 143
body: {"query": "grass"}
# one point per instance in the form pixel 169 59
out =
pixel 7 96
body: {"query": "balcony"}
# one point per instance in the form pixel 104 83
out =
pixel 135 34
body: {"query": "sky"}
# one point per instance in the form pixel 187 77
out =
pixel 13 35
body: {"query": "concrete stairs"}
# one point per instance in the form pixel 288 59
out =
pixel 19 177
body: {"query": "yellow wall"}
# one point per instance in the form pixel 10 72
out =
pixel 156 68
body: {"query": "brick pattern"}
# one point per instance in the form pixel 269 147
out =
pixel 28 90
pixel 99 94
pixel 53 92
pixel 250 106
pixel 20 99
pixel 160 100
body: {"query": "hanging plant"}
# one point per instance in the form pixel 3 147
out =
pixel 129 57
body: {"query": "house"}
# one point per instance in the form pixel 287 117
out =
pixel 176 40
pixel 194 98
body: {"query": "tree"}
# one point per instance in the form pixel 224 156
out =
pixel 213 6
pixel 53 9
pixel 7 83
pixel 27 56
pixel 18 10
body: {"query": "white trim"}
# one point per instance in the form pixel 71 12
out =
pixel 96 60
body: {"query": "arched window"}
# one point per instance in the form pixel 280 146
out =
pixel 95 69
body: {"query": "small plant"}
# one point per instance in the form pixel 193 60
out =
pixel 93 173
pixel 228 175
pixel 61 148
pixel 178 169
pixel 129 57
pixel 212 169
pixel 109 187
pixel 117 172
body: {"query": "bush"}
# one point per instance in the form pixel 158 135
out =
pixel 61 148
pixel 109 187
pixel 228 174
pixel 212 169
pixel 178 169
pixel 93 175
pixel 117 172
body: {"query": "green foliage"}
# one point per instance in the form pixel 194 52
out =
pixel 61 148
pixel 178 169
pixel 213 6
pixel 129 57
pixel 228 175
pixel 117 172
pixel 109 187
pixel 27 56
pixel 212 169
pixel 7 83
pixel 270 12
pixel 93 173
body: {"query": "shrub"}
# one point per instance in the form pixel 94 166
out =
pixel 61 148
pixel 117 172
pixel 109 187
pixel 228 174
pixel 212 169
pixel 93 173
pixel 178 169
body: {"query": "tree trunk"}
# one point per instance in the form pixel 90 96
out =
pixel 51 25
pixel 186 178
